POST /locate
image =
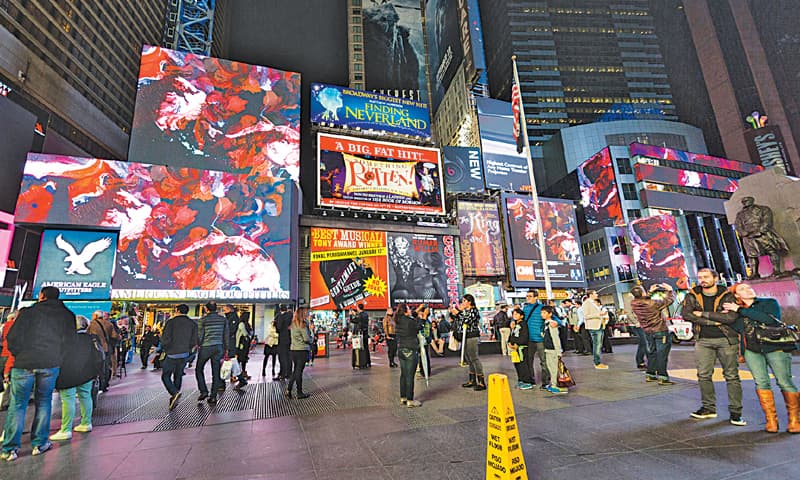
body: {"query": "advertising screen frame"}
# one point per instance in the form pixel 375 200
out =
pixel 442 277
pixel 490 238
pixel 442 21
pixel 499 149
pixel 610 215
pixel 666 227
pixel 463 169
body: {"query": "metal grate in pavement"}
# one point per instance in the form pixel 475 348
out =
pixel 271 401
pixel 188 413
pixel 112 408
pixel 234 400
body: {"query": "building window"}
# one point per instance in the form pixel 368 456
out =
pixel 357 57
pixel 624 166
pixel 358 67
pixel 358 76
pixel 356 28
pixel 634 214
pixel 356 3
pixel 357 38
pixel 629 191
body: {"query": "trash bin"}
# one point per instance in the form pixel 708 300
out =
pixel 323 343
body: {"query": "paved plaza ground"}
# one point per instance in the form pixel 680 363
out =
pixel 612 425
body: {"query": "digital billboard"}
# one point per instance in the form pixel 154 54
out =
pixel 183 233
pixel 209 113
pixel 463 170
pixel 503 168
pixel 445 52
pixel 657 251
pixel 481 239
pixel 562 242
pixel 348 267
pixel 6 239
pixel 346 107
pixel 422 269
pixel 620 259
pixel 768 149
pixel 684 178
pixel 394 48
pixel 663 153
pixel 79 263
pixel 599 193
pixel 365 174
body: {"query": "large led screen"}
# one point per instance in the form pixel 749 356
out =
pixel 209 113
pixel 599 193
pixel 348 267
pixel 183 233
pixel 657 251
pixel 78 262
pixel 357 109
pixel 394 48
pixel 481 239
pixel 463 171
pixel 663 153
pixel 364 174
pixel 422 269
pixel 684 178
pixel 562 244
pixel 503 168
pixel 444 45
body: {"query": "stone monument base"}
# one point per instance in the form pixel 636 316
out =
pixel 786 291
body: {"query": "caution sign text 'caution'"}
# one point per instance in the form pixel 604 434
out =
pixel 504 459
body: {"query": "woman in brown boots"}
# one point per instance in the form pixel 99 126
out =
pixel 758 356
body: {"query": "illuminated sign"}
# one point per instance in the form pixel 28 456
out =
pixel 463 170
pixel 599 193
pixel 481 239
pixel 503 168
pixel 663 153
pixel 767 148
pixel 423 269
pixel 657 251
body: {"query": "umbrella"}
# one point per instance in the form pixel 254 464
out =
pixel 423 357
pixel 463 343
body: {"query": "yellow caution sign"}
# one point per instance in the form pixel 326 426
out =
pixel 504 459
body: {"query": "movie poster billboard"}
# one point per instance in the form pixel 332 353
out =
pixel 657 251
pixel 562 243
pixel 77 262
pixel 183 233
pixel 209 113
pixel 663 153
pixel 445 52
pixel 394 48
pixel 370 175
pixel 503 168
pixel 481 239
pixel 348 267
pixel 684 178
pixel 463 172
pixel 599 193
pixel 346 107
pixel 423 269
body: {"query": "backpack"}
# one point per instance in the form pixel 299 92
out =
pixel 83 361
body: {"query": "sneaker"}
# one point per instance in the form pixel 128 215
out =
pixel 9 456
pixel 738 421
pixel 61 436
pixel 650 378
pixel 41 449
pixel 413 403
pixel 556 390
pixel 601 366
pixel 666 382
pixel 212 400
pixel 543 387
pixel 302 395
pixel 83 428
pixel 202 397
pixel 525 386
pixel 704 413
pixel 403 401
pixel 173 400
pixel 641 366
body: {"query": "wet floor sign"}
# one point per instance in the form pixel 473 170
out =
pixel 504 459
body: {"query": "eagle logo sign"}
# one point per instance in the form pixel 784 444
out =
pixel 77 261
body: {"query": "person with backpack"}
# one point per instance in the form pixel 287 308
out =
pixel 552 347
pixel 283 322
pixel 105 332
pixel 178 340
pixel 533 317
pixel 407 352
pixel 301 344
pixel 244 336
pixel 468 318
pixel 503 325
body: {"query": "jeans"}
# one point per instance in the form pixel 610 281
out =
pixel 537 348
pixel 213 353
pixel 597 344
pixel 659 345
pixel 641 349
pixel 505 332
pixel 781 364
pixel 299 358
pixel 523 371
pixel 269 352
pixel 707 351
pixel 172 374
pixel 408 365
pixel 42 382
pixel 471 357
pixel 391 346
pixel 84 393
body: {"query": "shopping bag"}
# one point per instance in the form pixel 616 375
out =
pixel 236 369
pixel 515 356
pixel 453 344
pixel 356 341
pixel 225 370
pixel 564 377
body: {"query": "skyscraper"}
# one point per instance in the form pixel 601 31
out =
pixel 578 62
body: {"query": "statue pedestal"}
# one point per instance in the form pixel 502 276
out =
pixel 786 291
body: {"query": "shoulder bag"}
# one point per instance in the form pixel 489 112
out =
pixel 781 336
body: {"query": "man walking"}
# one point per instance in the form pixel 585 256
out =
pixel 503 325
pixel 177 341
pixel 533 317
pixel 648 312
pixel 212 333
pixel 37 340
pixel 108 337
pixel 363 327
pixel 233 324
pixel 595 319
pixel 282 322
pixel 715 340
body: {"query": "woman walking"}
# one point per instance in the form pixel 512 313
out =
pixel 270 349
pixel 467 317
pixel 766 311
pixel 301 344
pixel 407 352
pixel 243 339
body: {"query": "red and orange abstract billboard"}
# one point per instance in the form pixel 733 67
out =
pixel 481 239
pixel 663 153
pixel 657 251
pixel 684 178
pixel 370 175
pixel 599 192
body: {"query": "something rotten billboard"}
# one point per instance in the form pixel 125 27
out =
pixel 462 169
pixel 657 251
pixel 599 194
pixel 209 113
pixel 79 263
pixel 503 168
pixel 369 175
pixel 183 233
pixel 444 45
pixel 481 239
pixel 346 107
pixel 562 244
pixel 348 267
pixel 423 269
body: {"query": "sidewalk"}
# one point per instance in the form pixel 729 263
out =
pixel 612 425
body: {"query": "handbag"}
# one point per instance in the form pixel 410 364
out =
pixel 782 336
pixel 564 376
pixel 453 344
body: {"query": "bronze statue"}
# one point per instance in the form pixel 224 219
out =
pixel 754 224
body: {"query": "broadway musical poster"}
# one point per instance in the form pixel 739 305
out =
pixel 422 269
pixel 348 267
pixel 481 239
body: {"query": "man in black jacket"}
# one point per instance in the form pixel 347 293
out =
pixel 715 339
pixel 363 327
pixel 233 324
pixel 177 341
pixel 282 322
pixel 37 341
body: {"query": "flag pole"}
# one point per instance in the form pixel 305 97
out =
pixel 534 195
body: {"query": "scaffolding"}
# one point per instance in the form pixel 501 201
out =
pixel 189 25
